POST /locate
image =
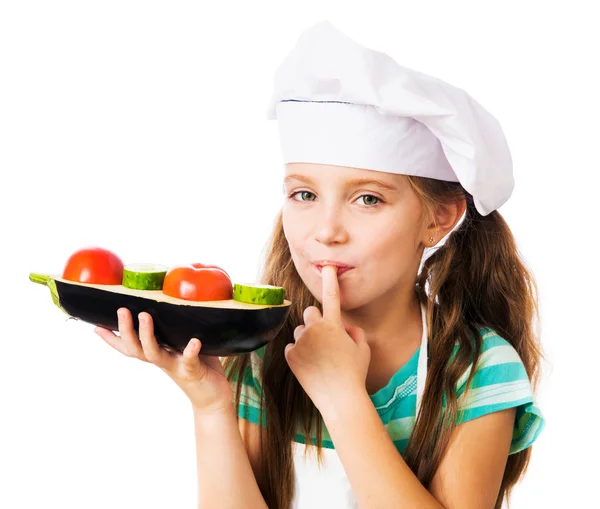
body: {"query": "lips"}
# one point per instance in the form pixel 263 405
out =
pixel 341 267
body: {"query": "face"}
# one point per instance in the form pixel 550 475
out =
pixel 338 214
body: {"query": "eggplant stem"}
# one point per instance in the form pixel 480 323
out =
pixel 41 279
pixel 48 281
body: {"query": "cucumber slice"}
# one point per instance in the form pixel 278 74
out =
pixel 144 276
pixel 258 294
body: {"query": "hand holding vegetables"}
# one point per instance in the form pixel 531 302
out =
pixel 200 377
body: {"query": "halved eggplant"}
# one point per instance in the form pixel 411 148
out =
pixel 225 327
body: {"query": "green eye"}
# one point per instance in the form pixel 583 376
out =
pixel 304 195
pixel 369 200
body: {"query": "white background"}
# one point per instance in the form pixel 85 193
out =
pixel 140 127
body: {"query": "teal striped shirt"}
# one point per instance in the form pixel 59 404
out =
pixel 500 382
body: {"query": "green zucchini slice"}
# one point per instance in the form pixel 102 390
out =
pixel 144 276
pixel 259 294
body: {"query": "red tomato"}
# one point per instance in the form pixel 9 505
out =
pixel 203 266
pixel 94 265
pixel 191 282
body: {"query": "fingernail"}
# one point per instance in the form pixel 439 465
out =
pixel 120 313
pixel 142 321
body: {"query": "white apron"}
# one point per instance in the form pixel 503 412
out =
pixel 327 486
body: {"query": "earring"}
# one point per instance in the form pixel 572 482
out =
pixel 431 239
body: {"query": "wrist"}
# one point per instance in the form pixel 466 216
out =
pixel 339 405
pixel 214 414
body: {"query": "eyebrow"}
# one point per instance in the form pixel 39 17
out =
pixel 353 182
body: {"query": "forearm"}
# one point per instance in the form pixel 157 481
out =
pixel 379 476
pixel 225 476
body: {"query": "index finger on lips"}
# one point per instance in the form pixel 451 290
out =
pixel 331 294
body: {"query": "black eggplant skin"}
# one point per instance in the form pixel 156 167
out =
pixel 223 331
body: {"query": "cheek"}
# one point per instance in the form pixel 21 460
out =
pixel 295 231
pixel 387 253
pixel 382 241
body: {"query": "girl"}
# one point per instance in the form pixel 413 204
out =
pixel 403 377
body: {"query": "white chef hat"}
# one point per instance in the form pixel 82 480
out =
pixel 337 102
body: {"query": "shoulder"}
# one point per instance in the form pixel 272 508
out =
pixel 499 362
pixel 500 381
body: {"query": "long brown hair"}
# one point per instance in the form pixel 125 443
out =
pixel 476 279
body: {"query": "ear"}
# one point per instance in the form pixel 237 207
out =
pixel 447 216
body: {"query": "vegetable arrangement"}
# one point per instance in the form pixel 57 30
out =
pixel 185 301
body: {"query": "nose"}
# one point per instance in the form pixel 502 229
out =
pixel 330 227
